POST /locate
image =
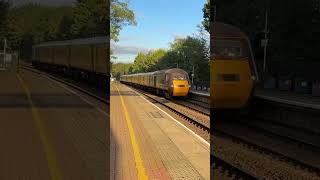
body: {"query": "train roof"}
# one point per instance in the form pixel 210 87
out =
pixel 157 72
pixel 94 40
pixel 137 74
pixel 219 29
pixel 170 70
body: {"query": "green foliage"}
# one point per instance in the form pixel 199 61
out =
pixel 183 53
pixel 120 69
pixel 90 18
pixel 291 33
pixel 186 53
pixel 120 16
pixel 65 27
pixel 4 7
pixel 33 23
pixel 206 16
pixel 147 62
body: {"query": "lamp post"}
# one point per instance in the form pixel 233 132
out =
pixel 192 75
pixel 214 12
pixel 4 51
pixel 265 40
pixel 5 46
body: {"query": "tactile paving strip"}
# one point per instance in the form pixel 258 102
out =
pixel 178 166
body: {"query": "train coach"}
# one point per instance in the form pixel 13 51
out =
pixel 232 68
pixel 85 59
pixel 170 82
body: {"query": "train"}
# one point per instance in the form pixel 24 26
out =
pixel 82 59
pixel 169 82
pixel 233 72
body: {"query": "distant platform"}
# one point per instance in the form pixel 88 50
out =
pixel 203 93
pixel 303 100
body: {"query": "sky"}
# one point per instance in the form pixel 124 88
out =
pixel 159 22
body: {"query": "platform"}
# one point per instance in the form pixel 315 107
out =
pixel 202 93
pixel 303 100
pixel 148 143
pixel 49 131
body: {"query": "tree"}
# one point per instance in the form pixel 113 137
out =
pixel 206 16
pixel 291 30
pixel 189 52
pixel 4 7
pixel 119 69
pixel 184 53
pixel 120 16
pixel 139 63
pixel 65 26
pixel 33 23
pixel 90 18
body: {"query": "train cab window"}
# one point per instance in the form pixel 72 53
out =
pixel 229 49
pixel 179 77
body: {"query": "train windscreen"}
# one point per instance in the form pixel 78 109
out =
pixel 229 49
pixel 179 77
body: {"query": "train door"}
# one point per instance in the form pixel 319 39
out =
pixel 154 81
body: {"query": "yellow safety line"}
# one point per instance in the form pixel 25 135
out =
pixel 50 155
pixel 137 156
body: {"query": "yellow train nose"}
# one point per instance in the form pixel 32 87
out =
pixel 180 87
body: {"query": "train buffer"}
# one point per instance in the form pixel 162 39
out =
pixel 148 143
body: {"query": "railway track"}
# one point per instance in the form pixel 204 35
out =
pixel 253 146
pixel 70 84
pixel 220 166
pixel 200 103
pixel 199 100
pixel 257 126
pixel 204 124
pixel 194 106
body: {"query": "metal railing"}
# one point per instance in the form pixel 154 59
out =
pixel 203 88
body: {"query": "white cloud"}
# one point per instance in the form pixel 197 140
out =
pixel 123 49
pixel 130 38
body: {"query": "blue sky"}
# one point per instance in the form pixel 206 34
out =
pixel 159 22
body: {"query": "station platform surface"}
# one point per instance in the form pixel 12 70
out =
pixel 48 131
pixel 148 143
pixel 204 93
pixel 304 100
